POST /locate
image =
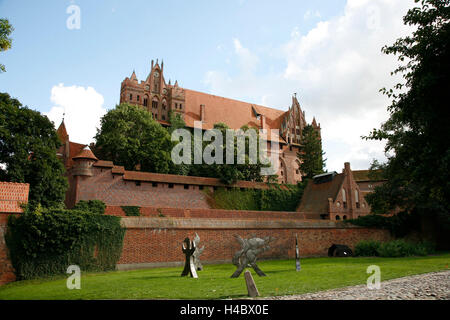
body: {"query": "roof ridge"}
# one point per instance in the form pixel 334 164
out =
pixel 232 99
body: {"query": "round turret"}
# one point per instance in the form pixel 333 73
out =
pixel 83 162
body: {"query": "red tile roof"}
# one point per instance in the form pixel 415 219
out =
pixel 85 153
pixel 12 195
pixel 104 163
pixel 315 197
pixel 171 178
pixel 233 113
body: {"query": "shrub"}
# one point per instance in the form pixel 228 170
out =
pixel 94 206
pixel 131 210
pixel 367 248
pixel 395 248
pixel 44 242
pixel 402 248
pixel 273 199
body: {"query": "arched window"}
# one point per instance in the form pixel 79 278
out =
pixel 338 218
pixel 145 101
pixel 344 217
pixel 155 104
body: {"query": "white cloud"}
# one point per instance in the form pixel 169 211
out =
pixel 337 69
pixel 83 108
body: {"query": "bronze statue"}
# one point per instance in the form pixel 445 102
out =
pixel 246 257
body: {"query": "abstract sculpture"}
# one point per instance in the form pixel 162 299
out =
pixel 196 255
pixel 246 257
pixel 297 255
pixel 188 248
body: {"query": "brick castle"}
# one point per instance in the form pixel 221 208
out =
pixel 161 98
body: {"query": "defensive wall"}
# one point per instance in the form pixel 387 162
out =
pixel 154 239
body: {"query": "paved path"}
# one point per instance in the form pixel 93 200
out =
pixel 428 286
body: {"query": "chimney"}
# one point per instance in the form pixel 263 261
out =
pixel 202 113
pixel 263 121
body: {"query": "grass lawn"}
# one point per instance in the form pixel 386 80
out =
pixel 214 281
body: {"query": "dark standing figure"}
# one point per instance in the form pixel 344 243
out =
pixel 188 248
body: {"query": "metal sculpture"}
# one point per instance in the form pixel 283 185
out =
pixel 297 255
pixel 246 257
pixel 188 248
pixel 196 255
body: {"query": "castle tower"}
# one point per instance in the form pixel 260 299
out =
pixel 83 162
pixel 153 94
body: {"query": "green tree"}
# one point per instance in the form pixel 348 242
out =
pixel 28 144
pixel 130 137
pixel 311 154
pixel 177 122
pixel 5 41
pixel 230 173
pixel 417 132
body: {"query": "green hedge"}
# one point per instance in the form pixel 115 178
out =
pixel 273 199
pixel 94 206
pixel 44 242
pixel 131 210
pixel 399 224
pixel 394 248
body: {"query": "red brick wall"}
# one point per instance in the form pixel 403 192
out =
pixel 115 191
pixel 211 213
pixel 11 196
pixel 6 269
pixel 157 241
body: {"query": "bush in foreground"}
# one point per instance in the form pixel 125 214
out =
pixel 394 248
pixel 45 241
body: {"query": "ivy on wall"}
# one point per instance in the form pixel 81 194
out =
pixel 45 241
pixel 272 199
pixel 131 210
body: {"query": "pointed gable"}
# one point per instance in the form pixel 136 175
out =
pixel 62 132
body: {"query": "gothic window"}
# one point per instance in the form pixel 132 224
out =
pixel 357 198
pixel 154 104
pixel 138 98
pixel 131 97
pixel 344 198
pixel 181 106
pixel 145 101
pixel 338 218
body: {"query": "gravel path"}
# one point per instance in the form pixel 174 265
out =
pixel 428 286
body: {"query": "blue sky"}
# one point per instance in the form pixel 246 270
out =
pixel 256 51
